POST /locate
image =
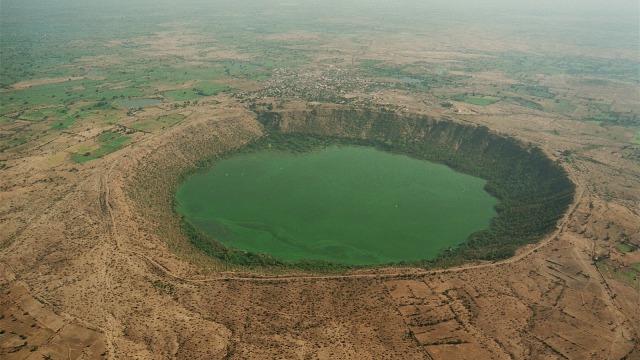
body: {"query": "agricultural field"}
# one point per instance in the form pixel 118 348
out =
pixel 109 109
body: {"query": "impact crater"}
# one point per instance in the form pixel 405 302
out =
pixel 248 210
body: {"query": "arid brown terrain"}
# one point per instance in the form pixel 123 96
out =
pixel 88 272
pixel 94 262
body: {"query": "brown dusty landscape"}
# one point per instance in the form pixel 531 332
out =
pixel 94 263
pixel 86 275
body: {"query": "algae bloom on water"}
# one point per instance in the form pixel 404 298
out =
pixel 346 204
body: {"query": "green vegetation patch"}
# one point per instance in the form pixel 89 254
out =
pixel 166 74
pixel 526 103
pixel 183 94
pixel 63 123
pixel 257 69
pixel 107 135
pixel 139 103
pixel 16 141
pixel 524 64
pixel 110 92
pixel 481 100
pixel 45 113
pixel 254 70
pixel 624 248
pixel 563 106
pixel 417 76
pixel 66 94
pixel 200 89
pixel 209 88
pixel 48 94
pixel 626 275
pixel 602 113
pixel 110 142
pixel 539 91
pixel 476 99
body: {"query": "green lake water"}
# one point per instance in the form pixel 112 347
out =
pixel 346 204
